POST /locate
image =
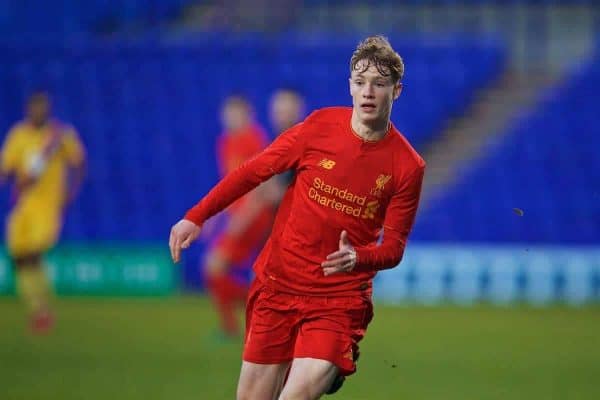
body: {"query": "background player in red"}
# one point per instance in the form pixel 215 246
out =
pixel 286 109
pixel 235 246
pixel 355 175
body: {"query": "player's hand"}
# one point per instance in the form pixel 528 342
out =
pixel 343 260
pixel 182 235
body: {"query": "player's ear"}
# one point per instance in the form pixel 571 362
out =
pixel 350 85
pixel 397 90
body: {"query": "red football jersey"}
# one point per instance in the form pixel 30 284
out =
pixel 342 183
pixel 235 148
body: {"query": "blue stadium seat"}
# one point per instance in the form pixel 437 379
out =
pixel 547 166
pixel 148 113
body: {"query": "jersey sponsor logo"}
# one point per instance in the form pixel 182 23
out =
pixel 327 163
pixel 380 183
pixel 342 200
pixel 370 209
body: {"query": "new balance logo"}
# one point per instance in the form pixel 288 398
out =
pixel 327 163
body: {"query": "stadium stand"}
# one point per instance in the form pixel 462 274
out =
pixel 27 19
pixel 547 167
pixel 148 113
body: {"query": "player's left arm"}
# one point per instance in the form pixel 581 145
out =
pixel 76 161
pixel 399 219
pixel 9 156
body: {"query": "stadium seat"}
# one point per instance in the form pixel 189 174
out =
pixel 148 112
pixel 546 167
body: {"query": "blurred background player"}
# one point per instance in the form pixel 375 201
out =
pixel 45 160
pixel 232 251
pixel 286 109
pixel 247 223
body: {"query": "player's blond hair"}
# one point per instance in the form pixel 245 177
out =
pixel 378 51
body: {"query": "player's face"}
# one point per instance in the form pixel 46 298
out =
pixel 286 110
pixel 372 93
pixel 38 110
pixel 235 116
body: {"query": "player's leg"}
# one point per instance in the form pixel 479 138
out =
pixel 261 381
pixel 328 342
pixel 32 284
pixel 27 242
pixel 234 251
pixel 271 331
pixel 339 380
pixel 223 290
pixel 309 379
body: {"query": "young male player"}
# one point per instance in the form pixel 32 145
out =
pixel 39 154
pixel 355 174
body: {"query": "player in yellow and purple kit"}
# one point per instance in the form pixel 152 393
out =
pixel 45 160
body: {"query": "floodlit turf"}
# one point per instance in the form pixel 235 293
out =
pixel 164 349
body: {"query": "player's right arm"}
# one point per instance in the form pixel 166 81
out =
pixel 76 160
pixel 283 154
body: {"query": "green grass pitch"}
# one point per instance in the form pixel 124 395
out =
pixel 164 349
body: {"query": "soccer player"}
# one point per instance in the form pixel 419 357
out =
pixel 236 246
pixel 286 109
pixel 310 303
pixel 45 160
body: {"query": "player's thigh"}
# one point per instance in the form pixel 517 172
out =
pixel 253 294
pixel 31 231
pixel 45 231
pixel 309 379
pixel 333 332
pixel 17 233
pixel 261 381
pixel 272 330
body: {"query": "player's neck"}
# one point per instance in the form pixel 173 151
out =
pixel 372 131
pixel 37 124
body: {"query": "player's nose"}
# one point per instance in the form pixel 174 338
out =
pixel 368 91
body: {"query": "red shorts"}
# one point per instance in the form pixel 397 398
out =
pixel 241 247
pixel 281 327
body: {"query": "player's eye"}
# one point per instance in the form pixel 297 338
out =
pixel 359 83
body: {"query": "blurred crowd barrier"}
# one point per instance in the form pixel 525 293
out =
pixel 429 274
pixel 498 274
pixel 94 269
